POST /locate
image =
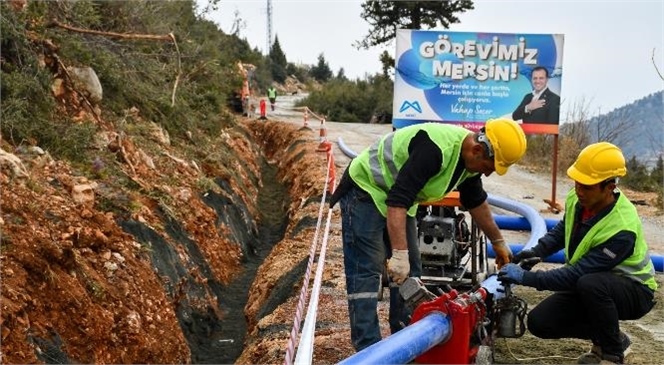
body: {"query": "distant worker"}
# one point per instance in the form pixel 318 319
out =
pixel 263 106
pixel 272 95
pixel 541 106
pixel 382 187
pixel 245 92
pixel 607 276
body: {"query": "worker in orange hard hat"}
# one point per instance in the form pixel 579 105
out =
pixel 608 275
pixel 382 187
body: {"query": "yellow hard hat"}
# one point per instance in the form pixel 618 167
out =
pixel 507 141
pixel 596 163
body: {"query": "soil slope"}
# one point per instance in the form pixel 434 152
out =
pixel 158 271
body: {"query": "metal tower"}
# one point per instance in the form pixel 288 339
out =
pixel 269 27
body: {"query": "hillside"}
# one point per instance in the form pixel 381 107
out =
pixel 638 127
pixel 136 208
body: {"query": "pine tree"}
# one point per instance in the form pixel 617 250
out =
pixel 386 17
pixel 278 62
pixel 277 54
pixel 321 71
pixel 637 177
pixel 341 75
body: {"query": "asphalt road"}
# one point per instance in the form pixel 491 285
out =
pixel 356 136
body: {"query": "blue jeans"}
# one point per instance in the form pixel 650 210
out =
pixel 365 252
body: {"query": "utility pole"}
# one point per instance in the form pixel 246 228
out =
pixel 269 27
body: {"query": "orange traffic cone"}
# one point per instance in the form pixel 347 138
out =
pixel 323 131
pixel 306 116
pixel 324 145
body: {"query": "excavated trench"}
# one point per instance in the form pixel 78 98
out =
pixel 216 332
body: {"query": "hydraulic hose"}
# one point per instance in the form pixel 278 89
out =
pixel 537 230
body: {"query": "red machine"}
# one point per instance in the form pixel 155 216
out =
pixel 475 320
pixel 466 312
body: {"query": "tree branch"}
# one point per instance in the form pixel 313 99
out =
pixel 177 78
pixel 655 64
pixel 154 37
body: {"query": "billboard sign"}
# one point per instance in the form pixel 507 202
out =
pixel 468 78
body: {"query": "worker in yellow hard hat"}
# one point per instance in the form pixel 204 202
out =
pixel 608 275
pixel 382 187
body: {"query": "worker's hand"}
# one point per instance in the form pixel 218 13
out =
pixel 503 252
pixel 526 259
pixel 398 267
pixel 511 274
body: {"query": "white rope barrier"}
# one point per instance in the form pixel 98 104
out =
pixel 305 350
pixel 304 109
pixel 293 338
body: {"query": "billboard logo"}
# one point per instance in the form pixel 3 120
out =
pixel 407 105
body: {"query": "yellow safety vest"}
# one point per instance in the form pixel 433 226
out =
pixel 376 168
pixel 622 217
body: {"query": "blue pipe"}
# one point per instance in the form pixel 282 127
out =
pixel 559 257
pixel 658 262
pixel 514 223
pixel 537 230
pixel 405 345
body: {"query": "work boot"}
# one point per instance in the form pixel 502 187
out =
pixel 626 343
pixel 611 359
pixel 595 354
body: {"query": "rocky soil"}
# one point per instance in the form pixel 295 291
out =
pixel 156 268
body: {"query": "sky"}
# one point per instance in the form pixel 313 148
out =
pixel 607 56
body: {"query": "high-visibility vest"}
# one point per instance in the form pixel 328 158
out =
pixel 376 168
pixel 623 217
pixel 271 92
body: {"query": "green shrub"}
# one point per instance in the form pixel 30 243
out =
pixel 352 101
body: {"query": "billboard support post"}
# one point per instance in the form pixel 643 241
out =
pixel 554 207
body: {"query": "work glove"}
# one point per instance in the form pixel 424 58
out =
pixel 511 274
pixel 526 259
pixel 398 267
pixel 503 252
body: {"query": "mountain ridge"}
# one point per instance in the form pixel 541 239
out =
pixel 639 126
